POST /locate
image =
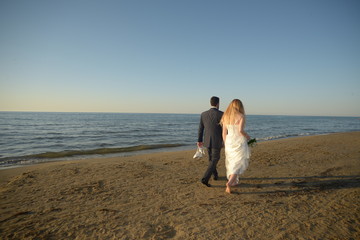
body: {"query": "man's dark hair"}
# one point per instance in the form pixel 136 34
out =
pixel 214 101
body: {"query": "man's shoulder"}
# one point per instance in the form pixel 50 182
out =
pixel 219 112
pixel 205 112
pixel 211 111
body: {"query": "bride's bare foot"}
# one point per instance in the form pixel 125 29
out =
pixel 228 189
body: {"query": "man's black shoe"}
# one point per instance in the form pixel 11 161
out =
pixel 206 184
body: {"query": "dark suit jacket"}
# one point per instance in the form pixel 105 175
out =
pixel 210 130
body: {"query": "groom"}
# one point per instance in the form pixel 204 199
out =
pixel 211 130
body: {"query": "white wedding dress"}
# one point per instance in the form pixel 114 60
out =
pixel 237 152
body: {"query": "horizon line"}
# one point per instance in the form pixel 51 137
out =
pixel 95 112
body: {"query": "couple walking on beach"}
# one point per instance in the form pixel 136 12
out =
pixel 218 129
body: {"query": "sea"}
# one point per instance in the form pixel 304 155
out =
pixel 34 137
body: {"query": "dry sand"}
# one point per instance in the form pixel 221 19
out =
pixel 296 188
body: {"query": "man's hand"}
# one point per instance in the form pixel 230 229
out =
pixel 200 144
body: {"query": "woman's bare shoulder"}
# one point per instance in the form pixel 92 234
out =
pixel 238 118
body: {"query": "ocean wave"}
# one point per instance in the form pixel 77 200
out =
pixel 8 161
pixel 282 136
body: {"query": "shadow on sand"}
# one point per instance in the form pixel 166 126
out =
pixel 295 185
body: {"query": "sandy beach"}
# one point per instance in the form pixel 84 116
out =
pixel 295 188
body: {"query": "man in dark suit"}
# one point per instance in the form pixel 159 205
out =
pixel 210 136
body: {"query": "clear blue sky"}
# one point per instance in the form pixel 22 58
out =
pixel 279 57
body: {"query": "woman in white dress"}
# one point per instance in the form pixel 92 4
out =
pixel 237 152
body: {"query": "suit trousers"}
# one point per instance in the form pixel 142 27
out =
pixel 214 157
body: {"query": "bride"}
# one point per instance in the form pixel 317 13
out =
pixel 237 151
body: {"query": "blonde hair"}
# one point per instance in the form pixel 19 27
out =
pixel 235 107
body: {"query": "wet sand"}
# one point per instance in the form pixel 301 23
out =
pixel 296 188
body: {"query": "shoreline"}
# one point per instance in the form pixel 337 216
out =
pixel 295 188
pixel 149 149
pixel 101 156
